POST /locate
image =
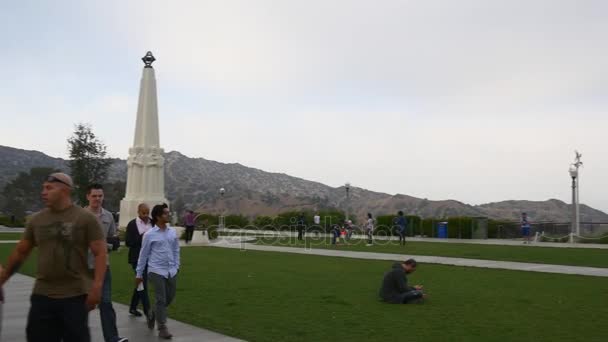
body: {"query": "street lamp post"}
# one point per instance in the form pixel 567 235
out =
pixel 574 227
pixel 347 187
pixel 222 218
pixel 574 173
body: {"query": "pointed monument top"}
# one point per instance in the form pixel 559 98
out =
pixel 148 59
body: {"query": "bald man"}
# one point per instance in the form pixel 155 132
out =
pixel 63 293
pixel 135 232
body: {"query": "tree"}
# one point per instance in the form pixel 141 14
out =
pixel 178 206
pixel 113 193
pixel 88 162
pixel 23 193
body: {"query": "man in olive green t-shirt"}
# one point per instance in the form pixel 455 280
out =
pixel 64 292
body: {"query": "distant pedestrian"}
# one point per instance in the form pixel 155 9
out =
pixel 189 223
pixel 525 228
pixel 335 234
pixel 349 229
pixel 343 234
pixel 401 227
pixel 369 229
pixel 301 226
pixel 317 221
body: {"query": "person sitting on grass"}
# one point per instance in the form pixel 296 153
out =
pixel 394 287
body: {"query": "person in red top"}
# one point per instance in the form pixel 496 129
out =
pixel 189 223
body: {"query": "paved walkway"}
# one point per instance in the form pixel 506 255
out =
pixel 19 288
pixel 507 265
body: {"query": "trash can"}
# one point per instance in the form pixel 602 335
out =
pixel 442 230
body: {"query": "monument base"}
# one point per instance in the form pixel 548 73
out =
pixel 200 237
pixel 128 209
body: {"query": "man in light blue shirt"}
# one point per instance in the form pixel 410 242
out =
pixel 160 252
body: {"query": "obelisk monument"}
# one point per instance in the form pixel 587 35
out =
pixel 145 165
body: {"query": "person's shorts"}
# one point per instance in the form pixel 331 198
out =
pixel 525 231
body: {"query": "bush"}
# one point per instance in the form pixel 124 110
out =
pixel 458 227
pixel 428 227
pixel 203 221
pixel 496 228
pixel 6 221
pixel 413 224
pixel 288 220
pixel 386 225
pixel 261 222
pixel 329 218
pixel 236 221
pixel 212 233
pixel 550 239
pixel 599 239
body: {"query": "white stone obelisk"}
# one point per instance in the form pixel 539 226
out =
pixel 145 165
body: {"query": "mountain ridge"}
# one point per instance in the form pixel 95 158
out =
pixel 195 182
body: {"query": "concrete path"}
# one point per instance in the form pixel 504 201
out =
pixel 507 265
pixel 18 291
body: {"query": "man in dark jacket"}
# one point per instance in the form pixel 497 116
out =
pixel 301 226
pixel 394 288
pixel 135 231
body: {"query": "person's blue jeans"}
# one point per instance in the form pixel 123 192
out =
pixel 106 310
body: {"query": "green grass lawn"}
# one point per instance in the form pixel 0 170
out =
pixel 266 296
pixel 523 253
pixel 10 236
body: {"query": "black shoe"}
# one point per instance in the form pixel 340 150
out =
pixel 150 319
pixel 135 313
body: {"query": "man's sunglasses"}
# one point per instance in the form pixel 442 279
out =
pixel 52 179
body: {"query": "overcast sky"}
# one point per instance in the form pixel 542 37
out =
pixel 477 101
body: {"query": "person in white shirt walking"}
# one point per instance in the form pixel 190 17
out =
pixel 369 229
pixel 160 252
pixel 317 219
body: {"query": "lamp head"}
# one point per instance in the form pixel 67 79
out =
pixel 573 171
